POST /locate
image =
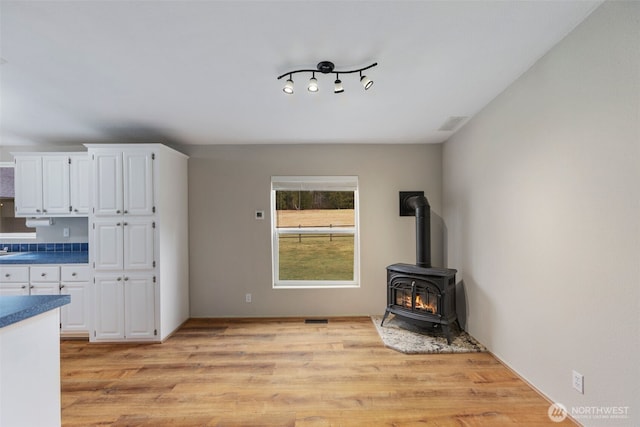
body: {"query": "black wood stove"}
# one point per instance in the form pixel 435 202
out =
pixel 422 294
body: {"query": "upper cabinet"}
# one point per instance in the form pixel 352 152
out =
pixel 55 185
pixel 123 183
pixel 80 184
pixel 28 186
pixel 52 184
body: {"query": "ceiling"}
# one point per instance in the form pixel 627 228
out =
pixel 204 72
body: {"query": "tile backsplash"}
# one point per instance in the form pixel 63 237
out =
pixel 45 247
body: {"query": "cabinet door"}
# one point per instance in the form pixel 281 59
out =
pixel 139 307
pixel 107 183
pixel 138 183
pixel 109 308
pixel 75 316
pixel 44 288
pixel 14 289
pixel 108 244
pixel 55 185
pixel 80 184
pixel 138 244
pixel 28 186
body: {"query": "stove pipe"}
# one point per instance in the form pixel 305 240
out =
pixel 423 229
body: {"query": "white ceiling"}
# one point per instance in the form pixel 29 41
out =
pixel 204 72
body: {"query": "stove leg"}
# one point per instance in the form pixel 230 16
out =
pixel 386 313
pixel 447 330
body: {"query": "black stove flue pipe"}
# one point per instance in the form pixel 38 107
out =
pixel 423 229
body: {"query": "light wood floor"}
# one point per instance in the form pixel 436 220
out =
pixel 241 372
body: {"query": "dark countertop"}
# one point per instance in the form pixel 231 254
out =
pixel 45 258
pixel 14 309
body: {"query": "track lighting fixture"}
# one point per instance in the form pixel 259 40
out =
pixel 326 67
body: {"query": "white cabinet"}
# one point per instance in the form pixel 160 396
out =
pixel 109 308
pixel 139 307
pixel 138 241
pixel 44 280
pixel 123 183
pixel 50 279
pixel 123 243
pixel 125 307
pixel 14 280
pixel 52 184
pixel 28 186
pixel 55 185
pixel 74 317
pixel 80 184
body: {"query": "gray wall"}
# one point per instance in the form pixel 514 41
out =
pixel 541 200
pixel 230 251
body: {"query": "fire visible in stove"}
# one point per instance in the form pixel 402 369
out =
pixel 425 301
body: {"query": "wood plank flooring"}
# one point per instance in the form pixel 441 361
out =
pixel 284 372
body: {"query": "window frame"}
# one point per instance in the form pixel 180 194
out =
pixel 314 183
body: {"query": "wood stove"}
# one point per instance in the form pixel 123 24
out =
pixel 422 294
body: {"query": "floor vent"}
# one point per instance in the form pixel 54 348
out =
pixel 316 320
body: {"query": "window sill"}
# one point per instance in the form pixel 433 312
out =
pixel 317 286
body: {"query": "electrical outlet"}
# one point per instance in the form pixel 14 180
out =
pixel 578 382
pixel 65 232
pixel 247 298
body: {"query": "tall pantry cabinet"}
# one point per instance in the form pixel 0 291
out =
pixel 138 240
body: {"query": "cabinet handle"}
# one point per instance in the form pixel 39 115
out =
pixel 44 210
pixel 43 274
pixel 118 225
pixel 124 223
pixel 31 287
pixel 7 275
pixel 119 279
pixel 126 211
pixel 61 286
pixel 75 210
pixel 74 274
pixel 23 286
pixel 126 278
pixel 38 210
pixel 118 211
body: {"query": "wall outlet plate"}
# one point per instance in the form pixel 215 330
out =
pixel 404 209
pixel 578 381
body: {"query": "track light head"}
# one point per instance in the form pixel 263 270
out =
pixel 338 85
pixel 313 84
pixel 288 86
pixel 366 81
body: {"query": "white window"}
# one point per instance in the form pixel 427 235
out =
pixel 314 223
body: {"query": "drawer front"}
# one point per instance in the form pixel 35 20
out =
pixel 47 273
pixel 75 273
pixel 14 274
